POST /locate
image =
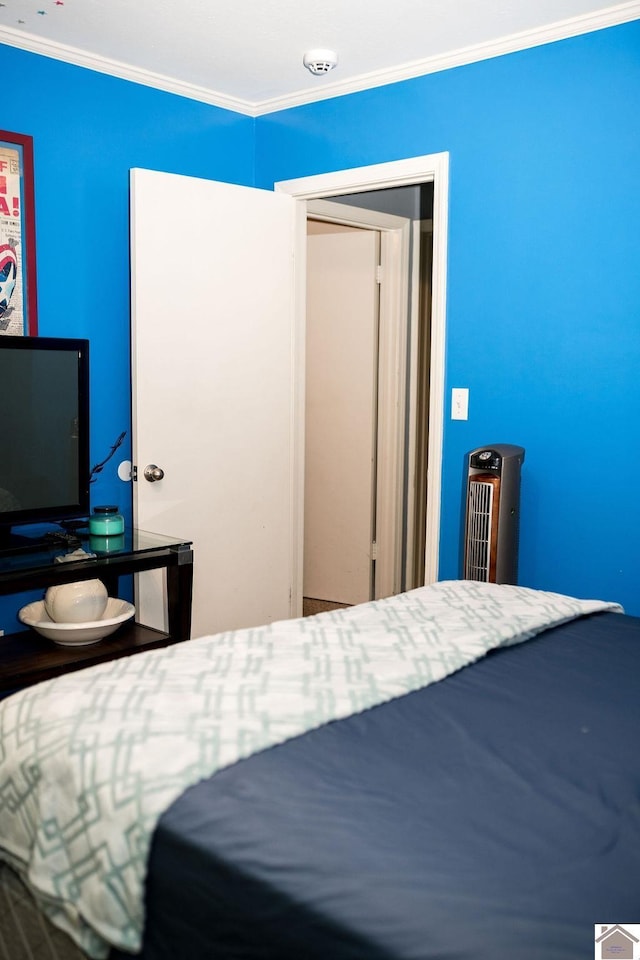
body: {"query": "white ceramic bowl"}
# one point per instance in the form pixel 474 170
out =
pixel 77 634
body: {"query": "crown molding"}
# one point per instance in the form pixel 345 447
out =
pixel 123 71
pixel 561 30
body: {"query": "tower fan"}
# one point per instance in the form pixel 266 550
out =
pixel 492 520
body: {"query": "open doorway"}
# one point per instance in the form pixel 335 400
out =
pixel 428 169
pixel 367 394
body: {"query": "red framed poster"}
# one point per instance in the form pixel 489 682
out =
pixel 18 298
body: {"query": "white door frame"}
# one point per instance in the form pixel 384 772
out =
pixel 425 169
pixel 391 378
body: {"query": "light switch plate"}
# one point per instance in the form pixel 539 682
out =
pixel 460 403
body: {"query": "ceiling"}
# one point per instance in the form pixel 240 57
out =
pixel 247 55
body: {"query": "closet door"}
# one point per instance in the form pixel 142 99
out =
pixel 341 412
pixel 212 374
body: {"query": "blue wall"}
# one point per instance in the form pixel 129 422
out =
pixel 543 280
pixel 543 289
pixel 88 131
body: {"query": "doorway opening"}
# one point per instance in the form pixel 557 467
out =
pixel 347 184
pixel 369 264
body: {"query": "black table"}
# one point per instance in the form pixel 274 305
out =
pixel 27 658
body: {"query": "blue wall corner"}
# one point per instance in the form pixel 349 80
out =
pixel 543 291
pixel 543 322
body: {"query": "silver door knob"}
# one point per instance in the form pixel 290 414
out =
pixel 153 473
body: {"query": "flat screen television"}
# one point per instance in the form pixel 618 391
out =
pixel 44 433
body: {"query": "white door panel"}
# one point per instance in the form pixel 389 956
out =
pixel 212 328
pixel 341 383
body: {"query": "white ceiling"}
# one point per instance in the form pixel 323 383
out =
pixel 247 54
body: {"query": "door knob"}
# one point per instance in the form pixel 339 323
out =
pixel 153 473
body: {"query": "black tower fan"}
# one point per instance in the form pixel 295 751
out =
pixel 492 518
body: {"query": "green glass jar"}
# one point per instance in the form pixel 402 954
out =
pixel 105 521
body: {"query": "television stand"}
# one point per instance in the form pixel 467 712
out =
pixel 27 658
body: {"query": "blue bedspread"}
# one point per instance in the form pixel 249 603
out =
pixel 92 759
pixel 495 813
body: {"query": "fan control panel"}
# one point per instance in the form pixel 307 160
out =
pixel 486 460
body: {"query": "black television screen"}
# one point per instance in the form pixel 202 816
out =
pixel 44 430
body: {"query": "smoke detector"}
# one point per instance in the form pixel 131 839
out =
pixel 320 62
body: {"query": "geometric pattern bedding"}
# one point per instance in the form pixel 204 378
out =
pixel 91 760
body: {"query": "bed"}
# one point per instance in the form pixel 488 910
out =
pixel 447 774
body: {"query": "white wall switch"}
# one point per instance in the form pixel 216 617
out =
pixel 460 403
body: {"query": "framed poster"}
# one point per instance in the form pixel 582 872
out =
pixel 18 302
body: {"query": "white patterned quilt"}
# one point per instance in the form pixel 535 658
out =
pixel 91 760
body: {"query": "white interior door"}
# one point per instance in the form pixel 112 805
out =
pixel 212 347
pixel 341 422
pixel 392 304
pixel 429 168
